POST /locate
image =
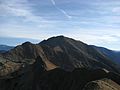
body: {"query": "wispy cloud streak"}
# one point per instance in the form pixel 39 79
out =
pixel 19 9
pixel 53 2
pixel 61 10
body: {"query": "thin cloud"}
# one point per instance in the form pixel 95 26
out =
pixel 61 10
pixel 53 2
pixel 20 9
pixel 116 10
pixel 93 36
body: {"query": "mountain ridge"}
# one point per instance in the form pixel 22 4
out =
pixel 58 49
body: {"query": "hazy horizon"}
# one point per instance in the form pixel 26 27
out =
pixel 93 22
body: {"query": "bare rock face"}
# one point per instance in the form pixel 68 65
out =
pixel 103 84
pixel 59 63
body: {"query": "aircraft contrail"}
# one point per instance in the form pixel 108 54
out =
pixel 53 2
pixel 61 10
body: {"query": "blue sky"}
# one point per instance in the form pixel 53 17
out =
pixel 91 21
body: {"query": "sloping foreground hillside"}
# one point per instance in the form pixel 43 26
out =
pixel 36 77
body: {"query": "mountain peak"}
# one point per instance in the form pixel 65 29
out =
pixel 27 43
pixel 53 41
pixel 58 40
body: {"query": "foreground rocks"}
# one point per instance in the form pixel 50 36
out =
pixel 36 77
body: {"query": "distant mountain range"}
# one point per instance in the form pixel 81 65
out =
pixel 4 48
pixel 113 55
pixel 59 63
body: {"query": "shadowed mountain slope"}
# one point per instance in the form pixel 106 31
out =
pixel 113 55
pixel 36 77
pixel 69 53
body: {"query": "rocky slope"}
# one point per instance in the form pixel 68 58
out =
pixel 36 77
pixel 103 84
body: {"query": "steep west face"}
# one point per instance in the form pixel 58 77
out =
pixel 26 54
